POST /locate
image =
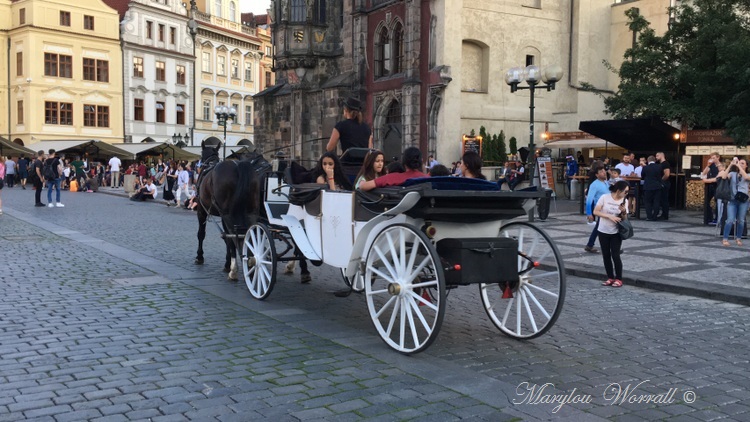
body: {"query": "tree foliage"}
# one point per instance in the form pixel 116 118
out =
pixel 697 73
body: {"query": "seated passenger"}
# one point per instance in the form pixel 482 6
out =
pixel 471 166
pixel 412 161
pixel 439 170
pixel 329 172
pixel 394 167
pixel 372 167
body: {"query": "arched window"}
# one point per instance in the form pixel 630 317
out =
pixel 217 8
pixel 394 113
pixel 320 12
pixel 299 11
pixel 232 12
pixel 398 48
pixel 382 53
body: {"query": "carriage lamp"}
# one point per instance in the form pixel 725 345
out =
pixel 533 75
pixel 224 114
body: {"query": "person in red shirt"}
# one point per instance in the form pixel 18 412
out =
pixel 412 161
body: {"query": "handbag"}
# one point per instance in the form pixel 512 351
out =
pixel 741 197
pixel 724 190
pixel 625 228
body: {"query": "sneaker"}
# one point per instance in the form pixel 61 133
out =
pixel 712 223
pixel 50 205
pixel 591 249
pixel 39 204
pixel 59 205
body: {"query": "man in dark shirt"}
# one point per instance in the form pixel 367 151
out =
pixel 665 185
pixel 37 177
pixel 709 178
pixel 353 132
pixel 651 175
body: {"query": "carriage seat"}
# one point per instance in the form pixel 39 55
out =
pixel 307 195
pixel 377 201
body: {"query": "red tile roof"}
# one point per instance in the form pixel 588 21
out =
pixel 121 6
pixel 254 20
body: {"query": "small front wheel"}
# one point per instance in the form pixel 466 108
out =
pixel 405 289
pixel 530 306
pixel 259 261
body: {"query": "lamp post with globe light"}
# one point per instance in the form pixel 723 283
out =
pixel 533 76
pixel 223 114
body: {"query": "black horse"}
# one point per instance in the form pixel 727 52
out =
pixel 229 190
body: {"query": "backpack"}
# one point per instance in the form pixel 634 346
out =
pixel 49 170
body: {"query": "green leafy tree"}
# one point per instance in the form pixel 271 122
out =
pixel 694 74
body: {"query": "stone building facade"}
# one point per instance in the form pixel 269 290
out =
pixel 158 67
pixel 431 71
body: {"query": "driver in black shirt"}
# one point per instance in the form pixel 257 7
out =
pixel 352 131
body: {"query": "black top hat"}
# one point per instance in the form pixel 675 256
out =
pixel 353 104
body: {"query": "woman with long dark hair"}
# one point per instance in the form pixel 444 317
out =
pixel 471 166
pixel 352 132
pixel 412 161
pixel 737 206
pixel 611 209
pixel 372 168
pixel 329 172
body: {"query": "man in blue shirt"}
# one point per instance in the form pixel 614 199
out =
pixel 597 189
pixel 571 170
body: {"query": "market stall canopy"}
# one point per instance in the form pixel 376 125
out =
pixel 8 149
pixel 157 148
pixel 95 148
pixel 644 135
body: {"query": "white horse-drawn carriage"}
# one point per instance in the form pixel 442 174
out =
pixel 405 247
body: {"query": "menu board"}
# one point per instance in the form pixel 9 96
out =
pixel 742 150
pixel 730 150
pixel 544 170
pixel 471 143
pixel 691 150
pixel 705 149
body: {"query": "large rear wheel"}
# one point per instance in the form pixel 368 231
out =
pixel 259 261
pixel 529 307
pixel 406 295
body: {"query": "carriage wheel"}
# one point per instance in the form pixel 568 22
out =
pixel 528 308
pixel 359 281
pixel 406 295
pixel 259 261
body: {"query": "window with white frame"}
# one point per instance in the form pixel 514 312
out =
pixel 249 71
pixel 206 64
pixel 206 110
pixel 248 115
pixel 221 65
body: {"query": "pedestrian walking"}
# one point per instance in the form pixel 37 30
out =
pixel 37 178
pixel 652 175
pixel 23 170
pixel 611 209
pixel 597 189
pixel 665 185
pixel 2 181
pixel 54 178
pixel 10 172
pixel 183 183
pixel 737 206
pixel 114 171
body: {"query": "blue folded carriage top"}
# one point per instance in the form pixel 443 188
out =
pixel 454 183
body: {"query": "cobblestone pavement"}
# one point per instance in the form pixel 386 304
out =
pixel 104 317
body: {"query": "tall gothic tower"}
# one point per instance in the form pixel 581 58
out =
pixel 314 71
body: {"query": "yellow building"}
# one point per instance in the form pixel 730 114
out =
pixel 4 27
pixel 65 70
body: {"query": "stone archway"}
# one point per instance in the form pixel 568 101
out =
pixel 388 123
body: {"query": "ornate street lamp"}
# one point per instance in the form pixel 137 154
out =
pixel 176 138
pixel 223 114
pixel 533 75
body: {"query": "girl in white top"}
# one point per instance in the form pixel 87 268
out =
pixel 611 209
pixel 372 167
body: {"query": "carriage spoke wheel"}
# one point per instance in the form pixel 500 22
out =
pixel 529 307
pixel 406 295
pixel 359 281
pixel 259 261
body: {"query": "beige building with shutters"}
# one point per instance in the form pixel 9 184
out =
pixel 65 76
